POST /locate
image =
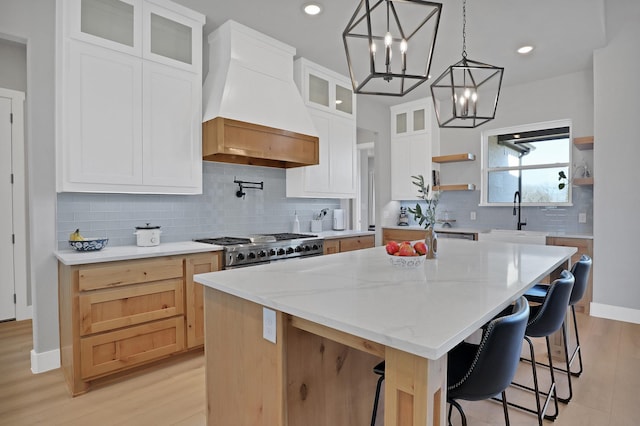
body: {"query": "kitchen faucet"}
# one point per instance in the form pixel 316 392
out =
pixel 516 199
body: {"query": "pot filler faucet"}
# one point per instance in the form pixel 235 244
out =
pixel 516 207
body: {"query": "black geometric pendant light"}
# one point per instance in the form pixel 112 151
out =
pixel 466 94
pixel 381 42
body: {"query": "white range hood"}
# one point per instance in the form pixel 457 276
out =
pixel 250 90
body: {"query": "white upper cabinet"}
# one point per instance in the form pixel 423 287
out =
pixel 332 106
pixel 116 24
pixel 415 138
pixel 129 75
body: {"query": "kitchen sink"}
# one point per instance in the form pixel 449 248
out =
pixel 514 236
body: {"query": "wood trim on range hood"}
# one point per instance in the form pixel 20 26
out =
pixel 233 141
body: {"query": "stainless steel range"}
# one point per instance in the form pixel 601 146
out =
pixel 266 248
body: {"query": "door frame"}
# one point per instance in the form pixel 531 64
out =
pixel 19 203
pixel 357 202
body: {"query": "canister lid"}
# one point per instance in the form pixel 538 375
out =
pixel 147 226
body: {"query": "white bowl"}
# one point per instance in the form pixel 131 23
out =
pixel 407 262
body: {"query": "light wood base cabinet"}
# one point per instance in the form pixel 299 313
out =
pixel 584 246
pixel 389 234
pixel 118 315
pixel 348 244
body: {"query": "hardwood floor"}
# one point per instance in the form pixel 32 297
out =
pixel 168 394
pixel 172 393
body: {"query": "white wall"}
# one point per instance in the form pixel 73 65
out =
pixel 375 118
pixel 33 22
pixel 13 65
pixel 617 153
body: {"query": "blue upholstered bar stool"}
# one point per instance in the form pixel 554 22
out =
pixel 544 320
pixel 580 270
pixel 477 372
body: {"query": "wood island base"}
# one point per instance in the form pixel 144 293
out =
pixel 312 375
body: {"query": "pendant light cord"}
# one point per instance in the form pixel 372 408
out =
pixel 464 28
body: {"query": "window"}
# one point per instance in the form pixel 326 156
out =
pixel 527 159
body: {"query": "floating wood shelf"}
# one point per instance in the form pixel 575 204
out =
pixel 467 156
pixel 459 187
pixel 583 181
pixel 583 143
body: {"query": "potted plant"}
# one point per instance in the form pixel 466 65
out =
pixel 426 217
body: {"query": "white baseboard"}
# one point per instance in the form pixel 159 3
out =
pixel 617 313
pixel 45 361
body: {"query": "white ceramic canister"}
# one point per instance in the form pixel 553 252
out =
pixel 147 236
pixel 338 220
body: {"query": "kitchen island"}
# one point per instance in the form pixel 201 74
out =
pixel 327 320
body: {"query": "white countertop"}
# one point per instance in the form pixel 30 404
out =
pixel 481 230
pixel 425 311
pixel 332 235
pixel 111 254
pixel 439 229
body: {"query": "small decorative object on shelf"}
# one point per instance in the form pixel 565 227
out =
pixel 426 217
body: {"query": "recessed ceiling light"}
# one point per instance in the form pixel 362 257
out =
pixel 525 49
pixel 312 8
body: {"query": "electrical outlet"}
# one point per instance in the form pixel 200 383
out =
pixel 269 324
pixel 582 218
pixel 473 215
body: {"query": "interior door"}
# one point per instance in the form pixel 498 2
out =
pixel 7 283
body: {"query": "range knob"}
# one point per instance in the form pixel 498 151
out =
pixel 262 253
pixel 252 255
pixel 307 248
pixel 299 249
pixel 272 252
pixel 289 250
pixel 315 247
pixel 240 256
pixel 280 252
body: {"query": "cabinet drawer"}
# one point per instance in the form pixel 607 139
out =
pixel 128 272
pixel 331 246
pixel 104 310
pixel 121 349
pixel 356 243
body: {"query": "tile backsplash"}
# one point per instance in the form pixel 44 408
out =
pixel 216 212
pixel 460 204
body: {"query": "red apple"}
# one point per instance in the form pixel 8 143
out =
pixel 392 247
pixel 421 248
pixel 406 250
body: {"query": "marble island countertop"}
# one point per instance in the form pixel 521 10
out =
pixel 424 311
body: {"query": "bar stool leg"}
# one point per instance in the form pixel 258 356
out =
pixel 577 349
pixel 375 401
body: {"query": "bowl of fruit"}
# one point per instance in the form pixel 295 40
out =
pixel 405 255
pixel 80 243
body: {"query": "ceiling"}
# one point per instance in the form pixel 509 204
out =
pixel 564 33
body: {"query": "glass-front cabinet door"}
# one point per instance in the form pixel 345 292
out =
pixel 409 121
pixel 170 38
pixel 344 99
pixel 318 90
pixel 109 23
pixel 327 92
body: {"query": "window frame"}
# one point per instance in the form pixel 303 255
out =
pixel 484 175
